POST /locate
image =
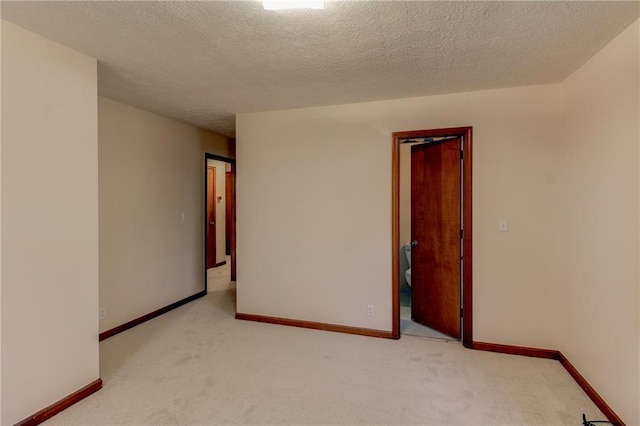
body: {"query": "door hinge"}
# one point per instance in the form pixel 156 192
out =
pixel 461 154
pixel 461 233
pixel 461 313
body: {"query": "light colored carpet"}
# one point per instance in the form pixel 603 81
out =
pixel 220 278
pixel 407 326
pixel 199 365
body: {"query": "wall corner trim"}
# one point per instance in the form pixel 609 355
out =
pixel 591 392
pixel 558 356
pixel 147 317
pixel 316 325
pixel 62 404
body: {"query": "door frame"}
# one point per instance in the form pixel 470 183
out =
pixel 467 285
pixel 232 162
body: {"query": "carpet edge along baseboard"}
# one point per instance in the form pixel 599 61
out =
pixel 63 404
pixel 316 325
pixel 558 356
pixel 144 318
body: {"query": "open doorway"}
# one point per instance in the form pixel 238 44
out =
pixel 431 233
pixel 219 225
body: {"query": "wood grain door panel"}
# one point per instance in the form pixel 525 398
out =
pixel 228 197
pixel 211 217
pixel 435 225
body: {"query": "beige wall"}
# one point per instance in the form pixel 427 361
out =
pixel 151 171
pixel 1 21
pixel 599 307
pixel 320 178
pixel 221 245
pixel 49 222
pixel 214 143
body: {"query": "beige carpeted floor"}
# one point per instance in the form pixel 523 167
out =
pixel 411 328
pixel 199 365
pixel 218 278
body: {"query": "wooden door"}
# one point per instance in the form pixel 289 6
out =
pixel 232 240
pixel 228 192
pixel 435 227
pixel 211 217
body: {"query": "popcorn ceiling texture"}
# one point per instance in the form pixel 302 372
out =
pixel 203 62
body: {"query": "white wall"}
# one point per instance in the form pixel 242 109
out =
pixel 221 245
pixel 49 222
pixel 599 323
pixel 314 209
pixel 151 170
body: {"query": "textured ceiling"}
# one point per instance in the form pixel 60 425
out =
pixel 203 62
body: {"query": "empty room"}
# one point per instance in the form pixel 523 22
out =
pixel 320 212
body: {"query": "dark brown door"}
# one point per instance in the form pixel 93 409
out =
pixel 232 202
pixel 228 196
pixel 211 217
pixel 435 229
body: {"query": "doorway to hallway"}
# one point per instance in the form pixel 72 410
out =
pixel 219 222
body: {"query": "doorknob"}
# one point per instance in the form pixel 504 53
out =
pixel 211 223
pixel 414 243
